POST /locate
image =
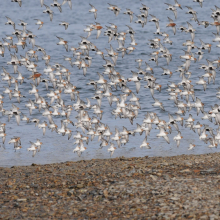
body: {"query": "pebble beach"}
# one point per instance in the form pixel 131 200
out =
pixel 179 187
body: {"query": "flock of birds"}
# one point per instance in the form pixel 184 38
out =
pixel 57 79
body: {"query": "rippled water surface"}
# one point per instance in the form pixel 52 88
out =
pixel 57 148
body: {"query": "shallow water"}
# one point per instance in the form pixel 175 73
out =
pixel 57 148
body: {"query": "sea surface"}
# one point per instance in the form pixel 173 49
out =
pixel 57 148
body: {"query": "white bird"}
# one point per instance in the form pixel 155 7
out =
pixel 40 23
pixel 177 138
pixel 145 144
pixel 93 10
pixel 158 104
pixel 33 148
pixel 163 134
pixel 191 146
pixel 48 11
pixel 111 149
pixel 135 78
pixel 65 24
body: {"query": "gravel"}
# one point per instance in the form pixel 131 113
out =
pixel 180 187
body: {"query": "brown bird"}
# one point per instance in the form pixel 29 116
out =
pixel 172 24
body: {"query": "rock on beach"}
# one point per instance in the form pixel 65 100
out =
pixel 179 187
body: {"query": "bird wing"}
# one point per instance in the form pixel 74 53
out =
pixel 166 138
pixel 170 20
pixel 138 86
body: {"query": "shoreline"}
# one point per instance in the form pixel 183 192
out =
pixel 184 186
pixel 114 158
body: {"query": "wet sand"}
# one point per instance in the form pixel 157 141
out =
pixel 179 187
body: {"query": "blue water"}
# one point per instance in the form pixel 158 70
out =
pixel 57 148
